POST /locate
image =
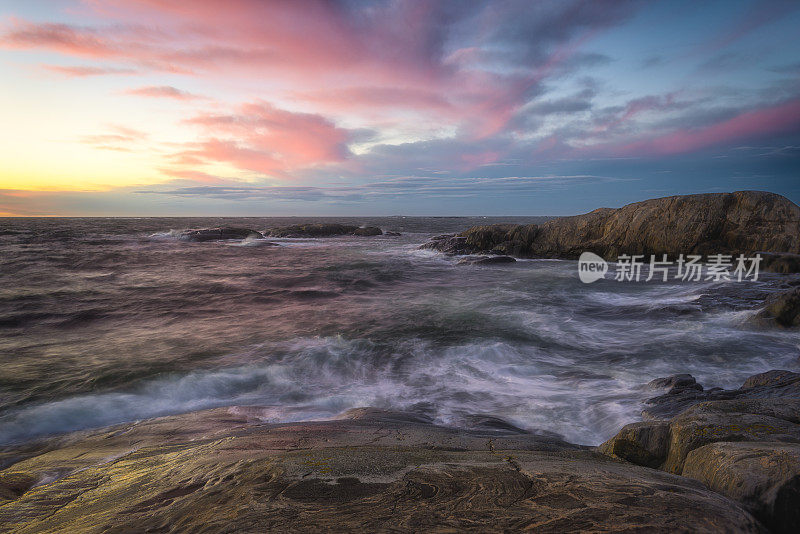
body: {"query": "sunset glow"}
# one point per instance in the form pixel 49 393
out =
pixel 153 107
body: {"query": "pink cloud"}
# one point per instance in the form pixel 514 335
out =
pixel 759 122
pixel 59 37
pixel 162 91
pixel 83 71
pixel 384 61
pixel 262 138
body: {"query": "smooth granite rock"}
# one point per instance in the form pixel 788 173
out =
pixel 763 476
pixel 224 470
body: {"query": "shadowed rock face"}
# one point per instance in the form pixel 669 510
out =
pixel 222 471
pixel 685 392
pixel 743 443
pixel 322 230
pixel 716 223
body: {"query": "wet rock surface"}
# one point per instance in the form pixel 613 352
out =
pixel 486 260
pixel 782 309
pixel 219 234
pixel 322 230
pixel 684 392
pixel 743 443
pixel 744 222
pixel 223 470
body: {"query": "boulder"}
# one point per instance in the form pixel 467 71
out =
pixel 782 309
pixel 676 383
pixel 450 244
pixel 218 234
pixel 743 222
pixel 776 420
pixel 392 234
pixel 644 443
pixel 763 476
pixel 368 231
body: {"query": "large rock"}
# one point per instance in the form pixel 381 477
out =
pixel 368 231
pixel 731 420
pixel 225 471
pixel 218 234
pixel 763 476
pixel 715 223
pixel 743 443
pixel 450 244
pixel 783 309
pixel 684 392
pixel 321 230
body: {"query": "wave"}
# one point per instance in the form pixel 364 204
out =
pixel 313 378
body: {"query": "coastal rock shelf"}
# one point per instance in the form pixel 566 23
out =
pixel 715 223
pixel 223 470
pixel 707 460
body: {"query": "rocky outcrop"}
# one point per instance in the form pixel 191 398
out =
pixel 322 230
pixel 219 234
pixel 684 392
pixel 764 476
pixel 450 244
pixel 782 309
pixel 715 223
pixel 224 470
pixel 743 443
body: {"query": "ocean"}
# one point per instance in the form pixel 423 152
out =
pixel 110 320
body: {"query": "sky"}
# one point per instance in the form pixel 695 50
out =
pixel 512 107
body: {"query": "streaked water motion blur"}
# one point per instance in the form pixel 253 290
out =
pixel 112 320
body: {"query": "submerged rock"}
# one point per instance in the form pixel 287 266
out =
pixel 223 471
pixel 743 443
pixel 218 234
pixel 486 260
pixel 322 230
pixel 715 223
